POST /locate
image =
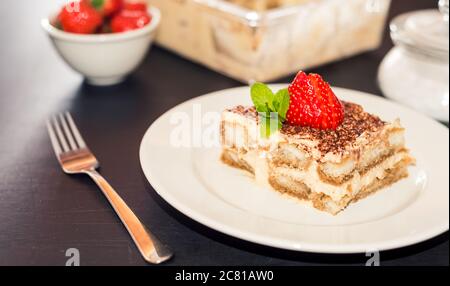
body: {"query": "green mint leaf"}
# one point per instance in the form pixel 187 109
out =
pixel 263 129
pixel 97 4
pixel 281 102
pixel 272 108
pixel 280 122
pixel 269 123
pixel 276 104
pixel 262 97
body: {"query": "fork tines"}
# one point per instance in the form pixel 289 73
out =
pixel 64 134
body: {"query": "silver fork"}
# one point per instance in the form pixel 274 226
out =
pixel 76 158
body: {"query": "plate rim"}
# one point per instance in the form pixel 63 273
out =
pixel 280 242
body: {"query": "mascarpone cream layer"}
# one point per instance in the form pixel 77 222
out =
pixel 310 177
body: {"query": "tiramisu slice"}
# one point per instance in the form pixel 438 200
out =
pixel 356 155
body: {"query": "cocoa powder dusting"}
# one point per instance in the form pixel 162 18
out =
pixel 356 122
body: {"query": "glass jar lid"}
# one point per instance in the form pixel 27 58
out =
pixel 424 31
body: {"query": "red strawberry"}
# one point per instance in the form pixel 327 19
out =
pixel 106 7
pixel 129 20
pixel 313 103
pixel 135 6
pixel 79 17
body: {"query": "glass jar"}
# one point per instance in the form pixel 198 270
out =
pixel 416 71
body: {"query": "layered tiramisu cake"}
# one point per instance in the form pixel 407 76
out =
pixel 305 142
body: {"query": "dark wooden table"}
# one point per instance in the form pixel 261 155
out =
pixel 44 212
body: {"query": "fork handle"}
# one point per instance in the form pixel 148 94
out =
pixel 149 246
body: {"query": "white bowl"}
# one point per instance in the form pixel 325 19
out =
pixel 104 59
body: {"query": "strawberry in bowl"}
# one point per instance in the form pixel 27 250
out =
pixel 79 18
pixel 102 16
pixel 108 8
pixel 84 35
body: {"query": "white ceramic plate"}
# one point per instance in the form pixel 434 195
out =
pixel 194 181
